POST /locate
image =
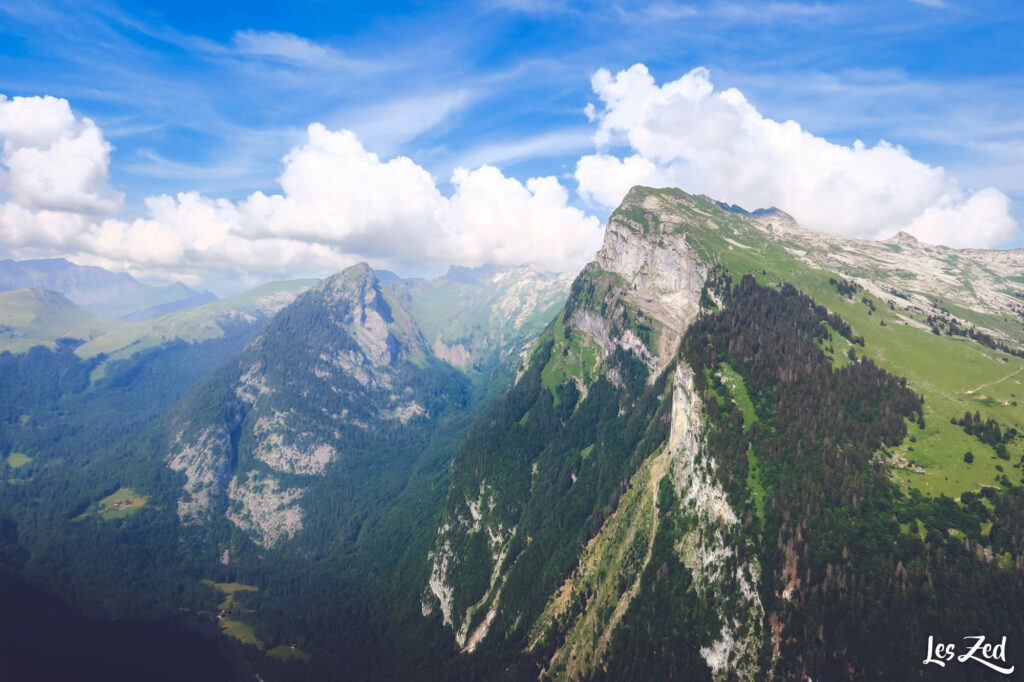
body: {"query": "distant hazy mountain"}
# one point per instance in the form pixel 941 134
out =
pixel 205 322
pixel 30 317
pixel 169 307
pixel 104 293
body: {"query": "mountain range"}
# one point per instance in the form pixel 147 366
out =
pixel 107 294
pixel 728 448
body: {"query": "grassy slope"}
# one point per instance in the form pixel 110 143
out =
pixel 107 512
pixel 30 317
pixel 244 632
pixel 738 390
pixel 941 368
pixel 16 460
pixel 286 653
pixel 198 323
pixel 573 357
pixel 234 627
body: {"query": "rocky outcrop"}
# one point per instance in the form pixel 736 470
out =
pixel 205 459
pixel 286 451
pixel 662 273
pixel 263 508
pixel 474 517
pixel 715 549
pixel 455 354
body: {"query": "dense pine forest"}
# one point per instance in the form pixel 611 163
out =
pixel 855 559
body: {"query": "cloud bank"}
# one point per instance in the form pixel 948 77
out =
pixel 340 203
pixel 687 135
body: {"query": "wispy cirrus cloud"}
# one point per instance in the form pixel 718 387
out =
pixel 774 11
pixel 386 126
pixel 294 50
pixel 530 6
pixel 284 46
pixel 546 145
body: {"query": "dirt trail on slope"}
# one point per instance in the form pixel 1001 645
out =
pixel 993 383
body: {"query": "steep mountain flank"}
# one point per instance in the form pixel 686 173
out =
pixel 321 384
pixel 587 437
pixel 693 475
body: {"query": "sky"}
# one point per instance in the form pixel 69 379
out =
pixel 227 144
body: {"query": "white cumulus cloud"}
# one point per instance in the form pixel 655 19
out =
pixel 604 179
pixel 338 204
pixel 337 193
pixel 686 134
pixel 53 160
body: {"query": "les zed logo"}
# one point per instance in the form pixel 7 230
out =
pixel 980 651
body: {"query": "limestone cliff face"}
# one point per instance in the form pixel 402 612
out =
pixel 662 273
pixel 205 459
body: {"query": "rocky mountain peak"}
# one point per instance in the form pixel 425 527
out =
pixel 353 300
pixel 646 245
pixel 338 366
pixel 902 237
pixel 356 278
pixel 774 220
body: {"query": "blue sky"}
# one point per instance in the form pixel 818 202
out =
pixel 209 97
